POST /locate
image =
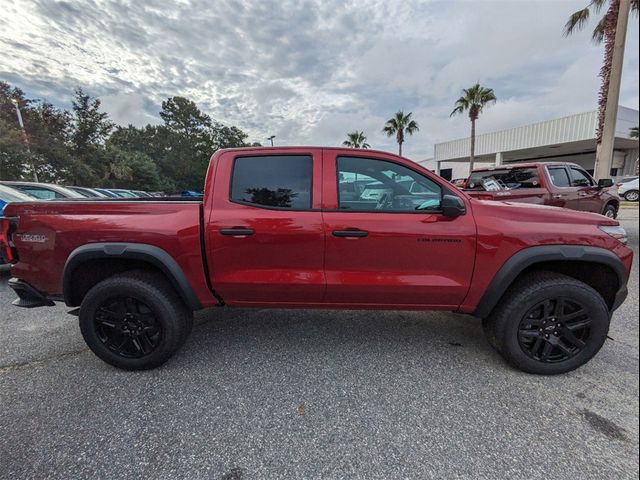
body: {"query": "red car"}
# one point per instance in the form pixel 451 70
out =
pixel 558 184
pixel 294 228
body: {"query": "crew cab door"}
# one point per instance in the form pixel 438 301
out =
pixel 587 189
pixel 265 241
pixel 393 247
pixel 563 193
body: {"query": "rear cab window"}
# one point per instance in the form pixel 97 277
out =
pixel 506 179
pixel 273 181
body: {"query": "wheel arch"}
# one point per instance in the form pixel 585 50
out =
pixel 597 267
pixel 614 203
pixel 89 264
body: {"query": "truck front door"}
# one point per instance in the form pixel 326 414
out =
pixel 588 191
pixel 393 248
pixel 265 240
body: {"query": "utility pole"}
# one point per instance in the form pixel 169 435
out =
pixel 604 151
pixel 271 139
pixel 25 138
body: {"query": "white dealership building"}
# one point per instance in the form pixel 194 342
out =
pixel 566 139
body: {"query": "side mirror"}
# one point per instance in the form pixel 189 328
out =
pixel 452 206
pixel 605 183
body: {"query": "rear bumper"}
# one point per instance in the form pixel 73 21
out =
pixel 28 297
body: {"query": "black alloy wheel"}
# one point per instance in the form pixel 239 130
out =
pixel 548 323
pixel 554 330
pixel 127 327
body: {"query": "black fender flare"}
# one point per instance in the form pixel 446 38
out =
pixel 527 257
pixel 151 254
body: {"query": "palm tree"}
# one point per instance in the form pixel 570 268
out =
pixel 356 140
pixel 634 132
pixel 605 30
pixel 399 125
pixel 473 100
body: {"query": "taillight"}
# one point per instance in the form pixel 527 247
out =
pixel 7 250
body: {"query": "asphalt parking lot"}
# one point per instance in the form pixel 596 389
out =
pixel 314 394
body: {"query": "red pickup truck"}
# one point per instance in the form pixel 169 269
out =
pixel 320 228
pixel 559 184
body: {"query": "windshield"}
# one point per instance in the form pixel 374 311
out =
pixel 508 179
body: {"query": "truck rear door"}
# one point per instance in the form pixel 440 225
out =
pixel 264 235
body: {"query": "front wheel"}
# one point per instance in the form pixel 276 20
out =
pixel 134 320
pixel 548 324
pixel 631 196
pixel 610 211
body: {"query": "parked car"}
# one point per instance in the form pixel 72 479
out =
pixel 87 192
pixel 8 194
pixel 627 179
pixel 629 190
pixel 43 191
pixel 107 192
pixel 557 184
pixel 141 193
pixel 190 193
pixel 273 231
pixel 123 193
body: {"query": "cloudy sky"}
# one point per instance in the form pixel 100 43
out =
pixel 310 71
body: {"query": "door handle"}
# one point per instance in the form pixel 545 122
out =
pixel 583 194
pixel 236 231
pixel 353 233
pixel 557 195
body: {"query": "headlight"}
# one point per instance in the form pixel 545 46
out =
pixel 616 231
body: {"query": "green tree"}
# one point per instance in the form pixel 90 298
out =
pixel 604 31
pixel 133 169
pixel 43 146
pixel 89 132
pixel 356 140
pixel 473 101
pixel 633 132
pixel 399 125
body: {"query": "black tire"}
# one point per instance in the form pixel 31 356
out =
pixel 134 320
pixel 610 211
pixel 631 196
pixel 520 329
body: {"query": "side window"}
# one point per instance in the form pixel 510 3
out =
pixel 273 181
pixel 580 178
pixel 559 177
pixel 369 185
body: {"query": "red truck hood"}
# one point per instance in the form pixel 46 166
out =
pixel 539 213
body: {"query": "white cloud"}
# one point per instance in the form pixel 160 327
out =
pixel 311 71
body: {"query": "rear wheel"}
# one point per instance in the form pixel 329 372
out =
pixel 134 320
pixel 631 196
pixel 548 324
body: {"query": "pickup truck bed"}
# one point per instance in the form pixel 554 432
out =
pixel 59 228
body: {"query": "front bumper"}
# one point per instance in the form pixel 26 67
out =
pixel 28 297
